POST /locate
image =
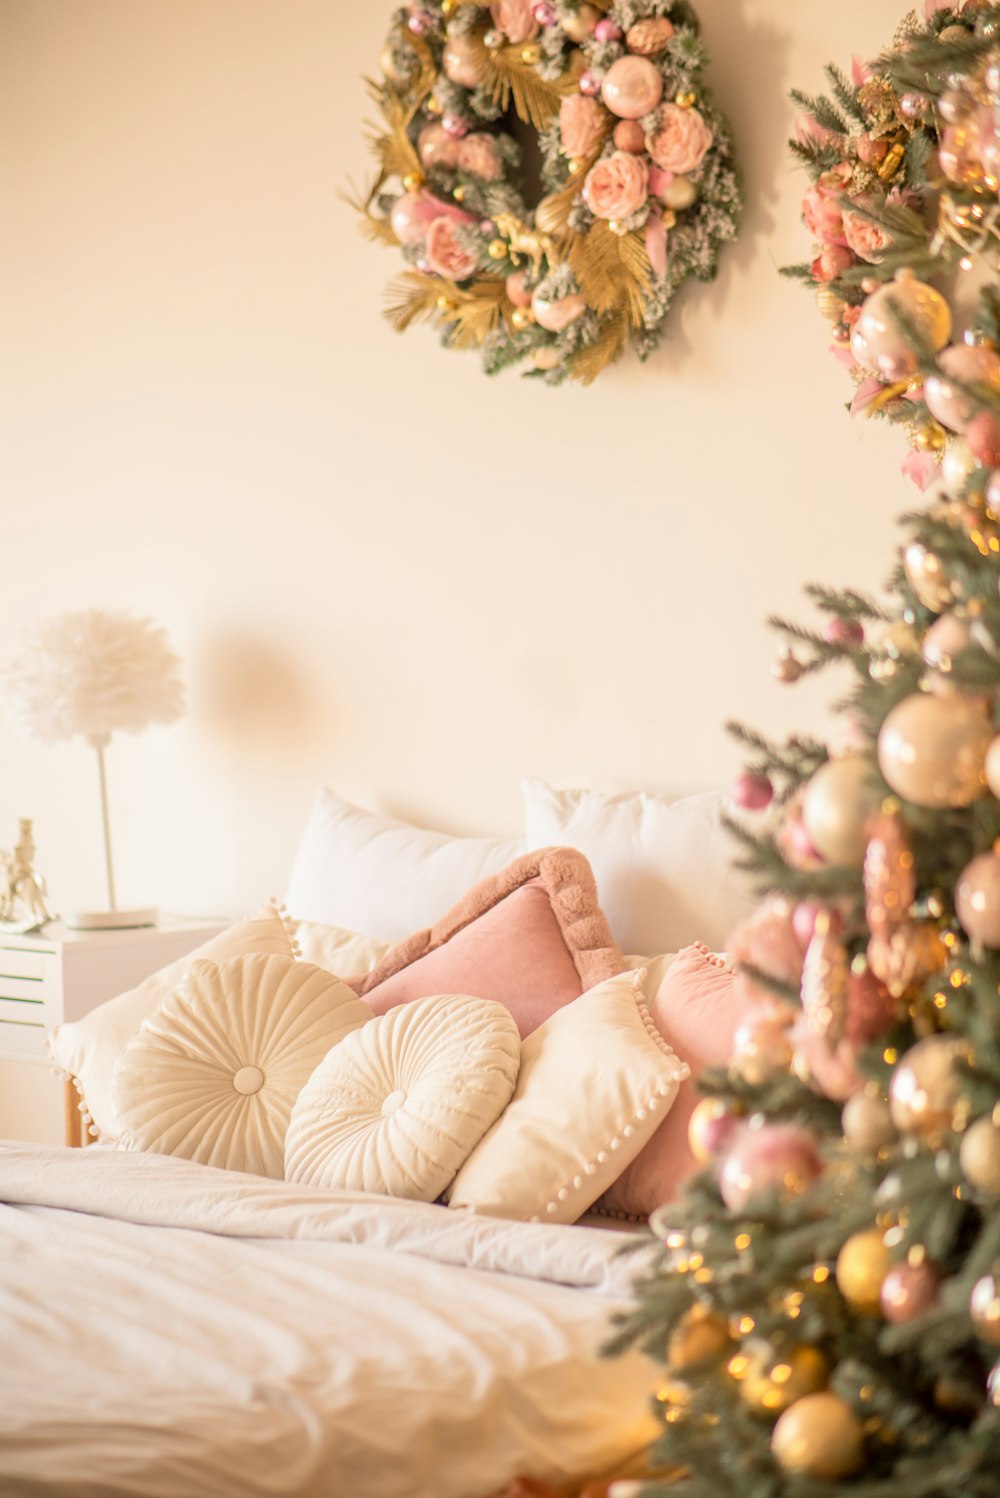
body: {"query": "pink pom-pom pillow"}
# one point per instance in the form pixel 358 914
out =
pixel 532 938
pixel 697 1009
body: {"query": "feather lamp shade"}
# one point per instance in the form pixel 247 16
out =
pixel 90 675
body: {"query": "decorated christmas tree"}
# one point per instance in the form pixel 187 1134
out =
pixel 826 1296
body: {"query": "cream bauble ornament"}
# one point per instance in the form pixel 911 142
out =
pixel 878 343
pixel 960 365
pixel 862 1265
pixel 867 1124
pixel 464 60
pixel 946 639
pixel 819 1436
pixel 979 1156
pixel 932 750
pixel 838 801
pixel 977 899
pixel 771 1381
pixel 926 1086
pixel 984 1308
pixel 927 577
pixel 679 194
pixel 957 467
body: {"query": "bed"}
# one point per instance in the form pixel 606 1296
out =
pixel 173 1329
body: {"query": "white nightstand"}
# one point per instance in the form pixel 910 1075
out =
pixel 55 975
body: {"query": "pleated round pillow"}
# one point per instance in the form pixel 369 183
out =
pixel 212 1074
pixel 398 1107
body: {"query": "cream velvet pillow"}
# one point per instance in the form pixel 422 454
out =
pixel 596 1080
pixel 213 1074
pixel 339 950
pixel 396 1108
pixel 88 1049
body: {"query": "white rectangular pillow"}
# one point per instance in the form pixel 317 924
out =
pixel 664 869
pixel 382 877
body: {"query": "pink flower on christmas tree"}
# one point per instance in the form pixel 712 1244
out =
pixel 820 207
pixel 868 241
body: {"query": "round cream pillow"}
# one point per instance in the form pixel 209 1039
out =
pixel 398 1107
pixel 212 1074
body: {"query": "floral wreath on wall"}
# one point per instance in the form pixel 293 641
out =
pixel 905 167
pixel 635 162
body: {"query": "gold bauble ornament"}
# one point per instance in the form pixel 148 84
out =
pixel 838 801
pixel 522 317
pixel 957 466
pixel 830 305
pixel 413 181
pixel 926 1086
pixel 550 216
pixel 867 1124
pixel 700 1336
pixel 498 249
pixel 927 577
pixel 862 1265
pixel 531 54
pixel 888 645
pixel 389 68
pixel 545 358
pixel 773 1381
pixel 678 195
pixel 433 104
pixel 984 1308
pixel 787 668
pixel 579 27
pixel 932 750
pixel 686 100
pixel 902 956
pixel 931 438
pixel 979 1156
pixel 819 1436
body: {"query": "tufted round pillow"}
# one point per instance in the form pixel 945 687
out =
pixel 398 1107
pixel 212 1074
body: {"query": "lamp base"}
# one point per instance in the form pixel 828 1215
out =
pixel 111 920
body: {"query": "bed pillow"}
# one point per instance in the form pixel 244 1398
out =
pixel 339 950
pixel 87 1049
pixel 697 1010
pixel 664 868
pixel 383 877
pixel 595 1081
pixel 213 1073
pixel 397 1107
pixel 531 938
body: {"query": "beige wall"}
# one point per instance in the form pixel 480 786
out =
pixel 383 570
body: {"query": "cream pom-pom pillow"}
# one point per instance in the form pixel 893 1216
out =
pixel 398 1106
pixel 212 1074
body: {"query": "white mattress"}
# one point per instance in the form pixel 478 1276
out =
pixel 177 1331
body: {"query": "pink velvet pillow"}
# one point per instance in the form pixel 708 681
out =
pixel 532 938
pixel 697 1010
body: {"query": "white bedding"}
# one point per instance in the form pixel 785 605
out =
pixel 168 1329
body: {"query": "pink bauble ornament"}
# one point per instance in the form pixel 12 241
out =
pixel 831 1069
pixel 607 31
pixel 544 13
pixel 412 215
pixel 751 792
pixel 630 136
pixel 804 917
pixel 983 436
pixel 777 1157
pixel 946 639
pixel 871 1009
pixel 462 60
pixel 590 84
pixel 420 22
pixel 454 125
pixel 436 147
pixel 977 899
pixel 555 315
pixel 517 290
pixel 908 1290
pixel 712 1129
pixel 632 87
pixel 967 366
pixel 932 750
pixel 878 344
pixel 837 803
pixel 843 632
pixel 992 767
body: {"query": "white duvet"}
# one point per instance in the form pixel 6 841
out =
pixel 171 1330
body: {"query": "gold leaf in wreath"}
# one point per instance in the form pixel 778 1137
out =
pixel 411 299
pixel 587 363
pixel 378 230
pixel 509 77
pixel 475 313
pixel 612 271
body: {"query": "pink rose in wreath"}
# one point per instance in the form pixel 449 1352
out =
pixel 820 207
pixel 581 124
pixel 478 154
pixel 867 240
pixel 617 186
pixel 682 141
pixel 446 254
pixel 515 20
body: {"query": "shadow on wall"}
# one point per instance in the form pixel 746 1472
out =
pixel 256 702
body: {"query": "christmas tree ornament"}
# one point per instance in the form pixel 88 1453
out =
pixel 762 1046
pixel 960 365
pixel 867 1124
pixel 862 1265
pixel 825 976
pixel 926 1086
pixel 957 466
pixel 903 956
pixel 909 1290
pixel 984 1308
pixel 700 1336
pixel 979 1156
pixel 819 1436
pixel 777 1158
pixel 991 768
pixel 932 750
pixel 751 792
pixel 787 668
pixel 506 106
pixel 888 645
pixel 927 577
pixel 770 1381
pixel 804 918
pixel 712 1128
pixel 889 873
pixel 983 437
pixel 977 899
pixel 838 801
pixel 879 343
pixel 946 639
pixel 846 632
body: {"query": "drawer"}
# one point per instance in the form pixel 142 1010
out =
pixel 21 1039
pixel 30 990
pixel 17 964
pixel 24 1011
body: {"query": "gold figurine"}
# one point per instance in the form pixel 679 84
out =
pixel 22 890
